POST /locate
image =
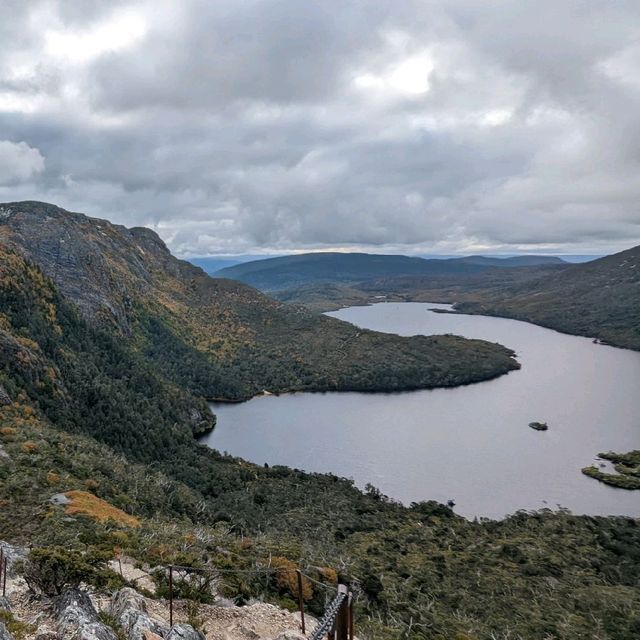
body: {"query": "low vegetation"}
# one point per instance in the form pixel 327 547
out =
pixel 422 572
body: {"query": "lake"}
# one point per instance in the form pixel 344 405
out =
pixel 471 444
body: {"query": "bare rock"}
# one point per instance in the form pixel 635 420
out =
pixel 5 398
pixel 130 610
pixel 290 635
pixel 4 632
pixel 5 605
pixel 184 632
pixel 126 599
pixel 14 555
pixel 78 620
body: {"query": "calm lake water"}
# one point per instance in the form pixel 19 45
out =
pixel 471 444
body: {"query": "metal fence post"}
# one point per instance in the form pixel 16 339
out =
pixel 4 578
pixel 301 600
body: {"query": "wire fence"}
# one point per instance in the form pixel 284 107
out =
pixel 337 622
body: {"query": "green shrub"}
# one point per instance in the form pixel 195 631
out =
pixel 52 570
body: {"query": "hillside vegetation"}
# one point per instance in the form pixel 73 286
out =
pixel 422 572
pixel 217 338
pixel 450 288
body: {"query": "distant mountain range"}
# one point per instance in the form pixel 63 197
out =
pixel 286 272
pixel 211 264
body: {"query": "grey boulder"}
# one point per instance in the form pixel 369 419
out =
pixel 184 632
pixel 129 609
pixel 78 620
pixel 4 632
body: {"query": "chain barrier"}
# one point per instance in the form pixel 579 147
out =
pixel 328 621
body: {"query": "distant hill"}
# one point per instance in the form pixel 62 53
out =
pixel 274 274
pixel 599 298
pixel 211 264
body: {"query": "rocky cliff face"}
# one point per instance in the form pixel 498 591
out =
pixel 96 264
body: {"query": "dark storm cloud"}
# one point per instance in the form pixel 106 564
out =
pixel 277 125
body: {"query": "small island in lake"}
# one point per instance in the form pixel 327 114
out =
pixel 626 467
pixel 539 426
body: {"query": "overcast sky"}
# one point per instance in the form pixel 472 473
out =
pixel 250 126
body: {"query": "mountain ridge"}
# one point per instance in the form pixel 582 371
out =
pixel 220 338
pixel 286 272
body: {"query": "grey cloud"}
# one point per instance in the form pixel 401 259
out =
pixel 18 162
pixel 277 124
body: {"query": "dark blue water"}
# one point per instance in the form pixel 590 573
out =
pixel 471 444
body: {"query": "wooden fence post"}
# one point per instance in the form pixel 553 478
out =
pixel 342 619
pixel 301 600
pixel 171 595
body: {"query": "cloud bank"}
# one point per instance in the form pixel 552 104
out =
pixel 251 126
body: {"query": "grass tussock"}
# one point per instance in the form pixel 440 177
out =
pixel 85 503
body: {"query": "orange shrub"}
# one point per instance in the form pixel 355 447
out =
pixel 87 504
pixel 327 574
pixel 287 578
pixel 29 447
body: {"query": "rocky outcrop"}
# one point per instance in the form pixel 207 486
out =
pixel 4 632
pixel 5 399
pixel 77 618
pixel 130 611
pixel 13 555
pixel 184 632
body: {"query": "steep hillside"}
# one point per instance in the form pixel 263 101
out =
pixel 275 274
pixel 421 572
pixel 219 338
pixel 599 298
